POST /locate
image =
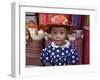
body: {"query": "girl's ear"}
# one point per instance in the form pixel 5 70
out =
pixel 49 36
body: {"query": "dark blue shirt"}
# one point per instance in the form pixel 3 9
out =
pixel 59 56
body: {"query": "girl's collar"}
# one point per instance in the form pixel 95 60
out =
pixel 66 45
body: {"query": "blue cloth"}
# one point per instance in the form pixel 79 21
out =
pixel 75 21
pixel 59 56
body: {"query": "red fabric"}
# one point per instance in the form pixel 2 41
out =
pixel 86 47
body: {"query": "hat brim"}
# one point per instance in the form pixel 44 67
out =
pixel 49 26
pixel 57 25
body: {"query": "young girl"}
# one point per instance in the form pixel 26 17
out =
pixel 59 52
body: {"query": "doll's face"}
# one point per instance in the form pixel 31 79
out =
pixel 59 35
pixel 31 25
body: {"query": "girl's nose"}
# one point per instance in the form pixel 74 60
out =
pixel 58 36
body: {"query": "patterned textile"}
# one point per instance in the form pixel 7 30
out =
pixel 57 56
pixel 33 50
pixel 77 42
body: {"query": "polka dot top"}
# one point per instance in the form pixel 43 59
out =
pixel 55 55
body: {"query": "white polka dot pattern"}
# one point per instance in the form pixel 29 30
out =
pixel 59 56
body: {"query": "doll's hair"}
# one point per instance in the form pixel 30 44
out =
pixel 29 35
pixel 31 21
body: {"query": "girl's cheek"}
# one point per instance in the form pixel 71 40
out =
pixel 62 36
pixel 54 37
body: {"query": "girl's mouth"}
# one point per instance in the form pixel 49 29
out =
pixel 58 40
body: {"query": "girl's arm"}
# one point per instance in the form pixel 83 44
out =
pixel 44 57
pixel 73 57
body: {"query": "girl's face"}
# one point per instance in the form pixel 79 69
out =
pixel 59 35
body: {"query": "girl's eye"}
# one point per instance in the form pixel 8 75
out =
pixel 61 32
